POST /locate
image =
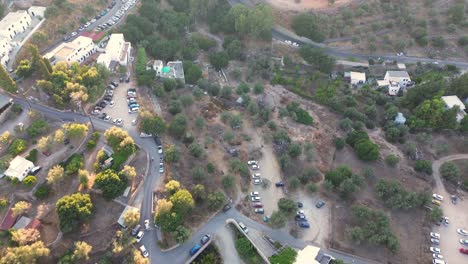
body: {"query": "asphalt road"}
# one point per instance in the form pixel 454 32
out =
pixel 282 34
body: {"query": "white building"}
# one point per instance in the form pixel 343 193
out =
pixel 36 11
pixel 393 88
pixel 312 255
pixel 76 51
pixel 117 50
pixel 401 77
pixel 14 23
pixel 173 69
pixel 19 168
pixel 356 78
pixel 5 49
pixel 451 101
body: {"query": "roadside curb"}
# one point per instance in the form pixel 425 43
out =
pixel 354 256
pixel 169 249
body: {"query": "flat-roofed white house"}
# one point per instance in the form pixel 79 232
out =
pixel 76 51
pixel 37 11
pixel 14 23
pixel 117 50
pixel 19 168
pixel 393 88
pixel 451 101
pixel 401 77
pixel 356 78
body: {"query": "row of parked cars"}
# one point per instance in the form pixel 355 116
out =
pixel 117 16
pixel 436 252
pixel 138 233
pixel 133 106
pixel 89 23
pixel 256 177
pixel 205 239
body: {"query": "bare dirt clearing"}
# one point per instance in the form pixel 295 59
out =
pixel 294 5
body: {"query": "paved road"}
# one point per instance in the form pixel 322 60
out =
pixel 282 34
pixel 458 215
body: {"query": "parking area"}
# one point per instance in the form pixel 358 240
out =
pixel 319 219
pixel 450 244
pixel 269 173
pixel 115 108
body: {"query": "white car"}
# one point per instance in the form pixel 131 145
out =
pixel 435 235
pixel 464 241
pixel 255 167
pixel 434 250
pixel 295 44
pixel 288 42
pixel 161 167
pixel 92 20
pixel 437 256
pixel 257 181
pixel 74 34
pixel 255 198
pixel 256 176
pixel 160 149
pixel 438 261
pixel 462 232
pixel 254 194
pixel 446 221
pixel 438 197
pixel 243 227
pixel 300 212
pixel 139 236
pixel 147 224
pixel 87 24
pixel 252 162
pixel 144 252
pixel 112 104
pixel 435 241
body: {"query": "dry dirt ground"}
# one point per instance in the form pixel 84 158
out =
pixel 302 5
pixel 408 226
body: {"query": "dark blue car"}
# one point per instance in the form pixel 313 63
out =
pixel 194 249
pixel 304 224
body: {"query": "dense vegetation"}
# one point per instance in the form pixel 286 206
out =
pixel 73 210
pixel 395 196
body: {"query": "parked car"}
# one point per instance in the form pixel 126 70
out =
pixel 255 198
pixel 464 250
pixel 226 207
pixel 243 227
pixel 304 224
pixel 115 84
pixel 195 249
pixel 35 170
pixel 143 251
pixel 160 149
pixel 435 241
pixel 462 232
pixel 254 194
pixel 135 230
pixel 300 217
pixel 46 153
pixel 205 239
pixel 252 162
pixel 256 176
pixel 139 236
pixel 161 167
pixel 300 212
pixel 111 104
pixel 320 204
pixel 74 33
pixel 437 256
pixel 454 199
pixel 279 184
pixel 434 250
pixel 438 261
pixel 437 197
pixel 147 225
pixel 464 241
pixel 435 235
pixel 436 202
pixel 257 205
pixel 255 167
pixel 257 181
pixel 446 221
pixel 300 205
pixel 259 210
pixel 66 141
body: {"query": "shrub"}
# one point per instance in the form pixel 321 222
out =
pixel 91 144
pixel 16 147
pixel 311 187
pixel 339 143
pixel 450 172
pixel 42 191
pixel 392 160
pixel 3 203
pixel 29 181
pixel 32 156
pixel 367 150
pixel 424 166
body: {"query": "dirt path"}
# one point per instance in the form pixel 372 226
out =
pixel 457 214
pixel 224 239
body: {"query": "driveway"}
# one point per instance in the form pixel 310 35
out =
pixel 457 213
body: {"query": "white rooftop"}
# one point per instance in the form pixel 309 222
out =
pixel 19 168
pixel 11 18
pixel 358 76
pixel 398 74
pixel 453 100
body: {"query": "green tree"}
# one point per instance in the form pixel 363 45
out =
pixel 37 128
pixel 6 82
pixel 25 254
pixel 24 69
pixel 172 154
pixel 29 181
pixel 392 160
pixel 16 147
pixel 294 150
pixel 317 58
pixel 228 181
pixel 366 150
pixel 151 123
pixel 72 210
pixel 181 234
pixel 216 200
pixel 424 166
pixel 169 84
pixel 192 72
pixel 195 150
pixel 182 201
pixel 178 125
pixel 199 192
pixel 308 25
pixel 82 250
pixel 436 214
pixel 144 77
pixel 278 219
pixel 219 60
pixel 287 255
pixel 287 205
pixel 450 172
pixel 111 184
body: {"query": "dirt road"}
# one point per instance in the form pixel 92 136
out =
pixel 457 213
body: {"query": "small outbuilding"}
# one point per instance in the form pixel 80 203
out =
pixel 19 168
